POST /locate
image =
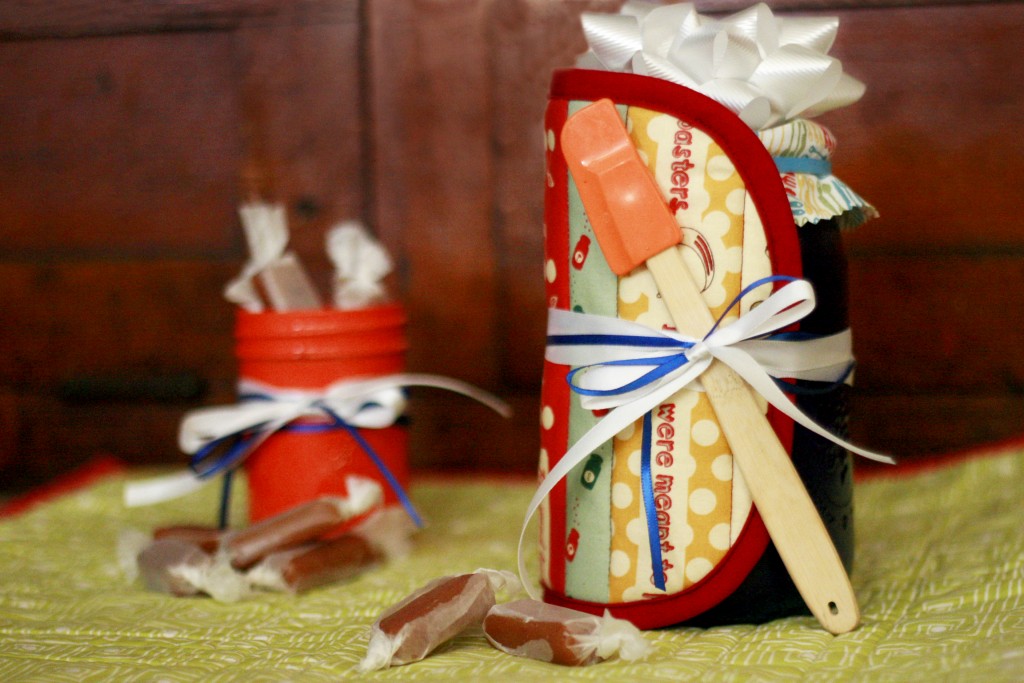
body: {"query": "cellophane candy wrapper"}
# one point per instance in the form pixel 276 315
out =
pixel 559 635
pixel 301 524
pixel 414 627
pixel 179 567
pixel 292 552
pixel 312 565
pixel 718 108
pixel 160 564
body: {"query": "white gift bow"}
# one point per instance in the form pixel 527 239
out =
pixel 767 69
pixel 374 403
pixel 737 345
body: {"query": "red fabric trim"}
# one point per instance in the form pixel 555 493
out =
pixel 764 186
pixel 737 140
pixel 725 578
pixel 555 391
pixel 80 478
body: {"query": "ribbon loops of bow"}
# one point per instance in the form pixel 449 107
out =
pixel 631 369
pixel 766 68
pixel 374 403
pixel 617 362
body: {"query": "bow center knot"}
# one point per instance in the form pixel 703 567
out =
pixel 698 352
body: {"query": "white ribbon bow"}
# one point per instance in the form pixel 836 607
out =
pixel 737 345
pixel 765 68
pixel 372 403
pixel 822 359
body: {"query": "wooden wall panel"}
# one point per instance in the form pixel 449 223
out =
pixel 55 435
pixel 931 142
pixel 937 332
pixel 129 135
pixel 304 127
pixel 104 357
pixel 917 426
pixel 528 40
pixel 75 319
pixel 130 131
pixel 101 157
pixel 33 19
pixel 944 326
pixel 430 100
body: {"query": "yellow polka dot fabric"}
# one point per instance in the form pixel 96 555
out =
pixel 701 506
pixel 939 576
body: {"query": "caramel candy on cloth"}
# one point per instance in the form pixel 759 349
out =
pixel 316 564
pixel 549 633
pixel 160 563
pixel 181 568
pixel 414 627
pixel 208 538
pixel 300 524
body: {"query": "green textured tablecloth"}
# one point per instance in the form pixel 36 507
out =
pixel 940 579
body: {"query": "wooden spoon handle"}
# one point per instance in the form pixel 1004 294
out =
pixel 775 487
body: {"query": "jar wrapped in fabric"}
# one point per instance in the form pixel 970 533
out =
pixel 738 200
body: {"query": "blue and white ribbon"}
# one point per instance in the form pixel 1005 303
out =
pixel 220 437
pixel 631 369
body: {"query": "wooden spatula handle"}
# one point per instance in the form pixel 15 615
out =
pixel 784 504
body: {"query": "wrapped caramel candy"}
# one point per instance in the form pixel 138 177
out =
pixel 300 524
pixel 312 565
pixel 414 627
pixel 208 538
pixel 389 532
pixel 187 559
pixel 160 565
pixel 181 568
pixel 549 633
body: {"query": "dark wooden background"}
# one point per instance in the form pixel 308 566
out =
pixel 130 131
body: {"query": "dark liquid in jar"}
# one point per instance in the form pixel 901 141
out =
pixel 825 468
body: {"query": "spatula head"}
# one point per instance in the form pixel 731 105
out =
pixel 625 206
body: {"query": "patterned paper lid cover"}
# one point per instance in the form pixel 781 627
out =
pixel 773 72
pixel 803 150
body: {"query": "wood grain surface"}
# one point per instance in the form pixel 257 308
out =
pixel 130 132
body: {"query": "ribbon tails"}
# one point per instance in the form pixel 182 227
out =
pixel 630 369
pixel 219 438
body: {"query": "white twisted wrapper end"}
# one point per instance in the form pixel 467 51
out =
pixel 373 403
pixel 767 69
pixel 502 581
pixel 218 579
pixel 363 495
pixel 360 265
pixel 380 651
pixel 611 637
pixel 266 234
pixel 618 636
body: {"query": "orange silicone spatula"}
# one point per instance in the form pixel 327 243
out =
pixel 634 226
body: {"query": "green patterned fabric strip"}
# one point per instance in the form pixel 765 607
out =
pixel 940 578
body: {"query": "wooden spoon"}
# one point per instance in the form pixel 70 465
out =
pixel 634 226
